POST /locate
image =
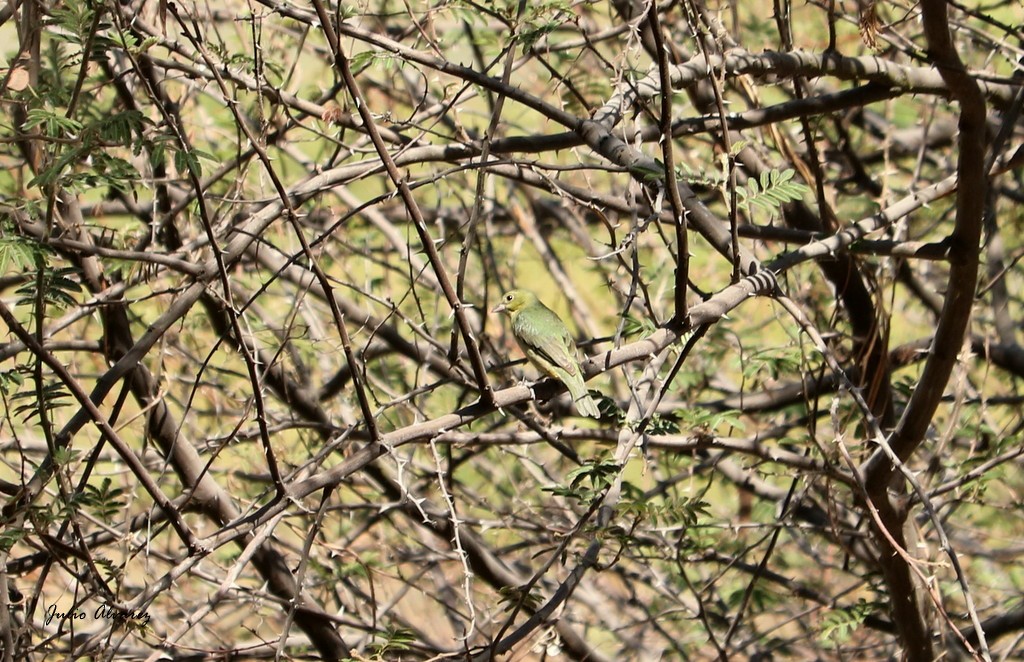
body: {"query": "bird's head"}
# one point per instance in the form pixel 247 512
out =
pixel 514 301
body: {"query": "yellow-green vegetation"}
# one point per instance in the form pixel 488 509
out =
pixel 255 400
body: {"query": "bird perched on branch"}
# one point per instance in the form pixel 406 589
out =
pixel 545 340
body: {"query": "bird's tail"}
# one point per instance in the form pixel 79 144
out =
pixel 581 399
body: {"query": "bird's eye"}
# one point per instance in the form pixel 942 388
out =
pixel 508 297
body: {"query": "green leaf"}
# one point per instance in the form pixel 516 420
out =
pixel 188 162
pixel 54 124
pixel 58 288
pixel 839 624
pixel 637 327
pixel 771 190
pixel 105 501
pixel 708 420
pixel 588 481
pixel 52 397
pixel 120 127
pixel 651 171
pixel 17 254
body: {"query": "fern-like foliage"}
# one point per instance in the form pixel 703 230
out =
pixel 30 403
pixel 57 285
pixel 770 191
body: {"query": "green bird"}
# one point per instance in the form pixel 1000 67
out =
pixel 545 340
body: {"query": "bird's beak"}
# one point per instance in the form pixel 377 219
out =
pixel 500 308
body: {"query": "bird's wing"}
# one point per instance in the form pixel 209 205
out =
pixel 542 331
